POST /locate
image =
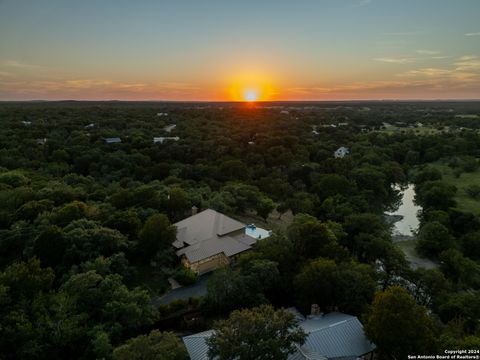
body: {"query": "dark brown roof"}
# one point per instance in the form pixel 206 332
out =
pixel 209 233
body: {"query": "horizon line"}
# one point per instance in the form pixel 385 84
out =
pixel 246 102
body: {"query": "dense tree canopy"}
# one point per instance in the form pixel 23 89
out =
pixel 86 226
pixel 256 334
pixel 399 327
pixel 154 346
pixel 349 286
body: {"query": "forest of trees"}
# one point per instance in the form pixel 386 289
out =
pixel 86 226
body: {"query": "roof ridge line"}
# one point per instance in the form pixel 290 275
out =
pixel 218 217
pixel 202 334
pixel 334 324
pixel 188 217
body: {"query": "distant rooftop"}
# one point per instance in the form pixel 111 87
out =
pixel 170 127
pixel 341 152
pixel 162 139
pixel 112 140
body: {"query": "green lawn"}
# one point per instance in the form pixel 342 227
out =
pixel 464 202
pixel 425 130
pixel 408 248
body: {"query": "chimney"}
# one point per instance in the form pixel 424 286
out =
pixel 315 309
pixel 194 210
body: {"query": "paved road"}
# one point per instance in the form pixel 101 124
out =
pixel 185 292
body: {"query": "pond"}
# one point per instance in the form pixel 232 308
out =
pixel 404 229
pixel 407 213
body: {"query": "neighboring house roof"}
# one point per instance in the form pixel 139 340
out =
pixel 341 151
pixel 304 353
pixel 112 140
pixel 336 335
pixel 170 127
pixel 332 336
pixel 162 139
pixel 196 346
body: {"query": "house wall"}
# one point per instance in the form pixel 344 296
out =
pixel 209 264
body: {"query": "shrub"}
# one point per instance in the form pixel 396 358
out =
pixel 185 276
pixel 473 191
pixel 13 178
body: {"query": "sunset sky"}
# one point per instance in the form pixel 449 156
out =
pixel 231 50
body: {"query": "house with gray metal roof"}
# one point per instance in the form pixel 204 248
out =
pixel 162 139
pixel 331 336
pixel 341 152
pixel 112 140
pixel 170 127
pixel 209 239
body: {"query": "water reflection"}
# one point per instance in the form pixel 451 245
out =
pixel 408 210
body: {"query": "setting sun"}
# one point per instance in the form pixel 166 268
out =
pixel 250 95
pixel 251 91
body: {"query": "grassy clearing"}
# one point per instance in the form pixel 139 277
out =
pixel 408 248
pixel 464 202
pixel 425 130
pixel 467 116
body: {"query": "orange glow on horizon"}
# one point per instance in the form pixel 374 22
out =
pixel 251 88
pixel 250 95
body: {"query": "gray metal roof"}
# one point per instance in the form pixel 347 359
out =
pixel 332 336
pixel 112 140
pixel 315 322
pixel 336 335
pixel 196 345
pixel 305 353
